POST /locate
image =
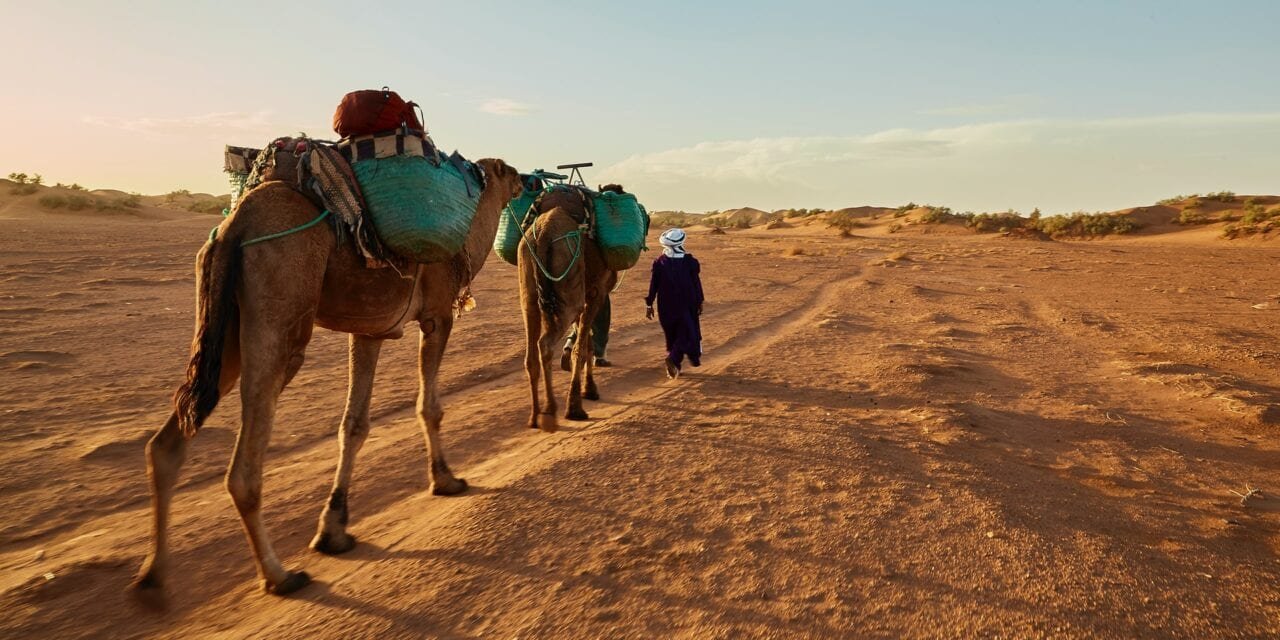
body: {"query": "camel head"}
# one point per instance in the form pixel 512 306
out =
pixel 616 188
pixel 502 177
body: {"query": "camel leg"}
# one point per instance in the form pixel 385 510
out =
pixel 581 351
pixel 331 536
pixel 593 309
pixel 532 359
pixel 269 363
pixel 592 392
pixel 166 451
pixel 430 412
pixel 546 350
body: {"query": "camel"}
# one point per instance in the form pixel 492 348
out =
pixel 557 289
pixel 255 310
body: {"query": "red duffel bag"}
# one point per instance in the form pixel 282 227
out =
pixel 371 111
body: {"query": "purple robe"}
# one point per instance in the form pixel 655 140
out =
pixel 677 287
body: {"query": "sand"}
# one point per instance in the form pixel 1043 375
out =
pixel 893 435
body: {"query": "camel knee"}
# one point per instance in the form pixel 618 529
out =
pixel 245 492
pixel 356 428
pixel 167 448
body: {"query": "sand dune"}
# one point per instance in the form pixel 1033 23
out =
pixel 897 434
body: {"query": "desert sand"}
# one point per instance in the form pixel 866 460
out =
pixel 928 433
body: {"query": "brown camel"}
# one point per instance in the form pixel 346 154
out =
pixel 563 279
pixel 255 309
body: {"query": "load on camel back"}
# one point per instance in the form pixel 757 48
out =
pixel 385 178
pixel 616 220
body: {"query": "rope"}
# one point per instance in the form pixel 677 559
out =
pixel 323 214
pixel 213 233
pixel 528 243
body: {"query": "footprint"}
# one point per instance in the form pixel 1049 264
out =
pixel 35 359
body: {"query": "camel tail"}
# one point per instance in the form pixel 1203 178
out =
pixel 548 299
pixel 217 274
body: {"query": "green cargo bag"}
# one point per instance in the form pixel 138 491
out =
pixel 511 226
pixel 422 211
pixel 621 225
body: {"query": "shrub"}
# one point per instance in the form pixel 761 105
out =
pixel 1177 199
pixel 20 178
pixel 1222 196
pixel 895 227
pixel 37 179
pixel 213 206
pixel 24 189
pixel 73 186
pixel 845 222
pixel 1003 221
pixel 937 215
pixel 1081 224
pixel 1192 216
pixel 673 219
pixel 742 223
pixel 1254 214
pixel 174 195
pixel 52 201
pixel 78 203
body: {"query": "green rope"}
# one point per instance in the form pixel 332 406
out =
pixel 528 242
pixel 213 233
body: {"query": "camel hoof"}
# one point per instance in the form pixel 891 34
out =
pixel 452 487
pixel 547 423
pixel 591 394
pixel 332 545
pixel 148 592
pixel 292 582
pixel 576 414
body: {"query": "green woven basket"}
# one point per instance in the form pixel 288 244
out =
pixel 421 211
pixel 620 228
pixel 510 226
pixel 237 181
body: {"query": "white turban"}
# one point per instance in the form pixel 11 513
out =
pixel 673 243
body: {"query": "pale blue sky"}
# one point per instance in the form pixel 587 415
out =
pixel 977 105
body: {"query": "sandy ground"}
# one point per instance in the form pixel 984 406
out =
pixel 909 435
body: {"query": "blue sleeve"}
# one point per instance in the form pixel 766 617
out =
pixel 653 284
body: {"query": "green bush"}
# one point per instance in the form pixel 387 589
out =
pixel 1086 225
pixel 20 178
pixel 669 219
pixel 1255 214
pixel 844 221
pixel 78 203
pixel 1192 216
pixel 1222 196
pixel 1002 221
pixel 1177 199
pixel 52 201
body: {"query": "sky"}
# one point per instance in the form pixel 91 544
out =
pixel 980 106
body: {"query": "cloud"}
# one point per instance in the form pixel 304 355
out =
pixel 1051 163
pixel 227 121
pixel 968 110
pixel 505 107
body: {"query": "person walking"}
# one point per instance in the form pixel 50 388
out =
pixel 599 339
pixel 676 286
